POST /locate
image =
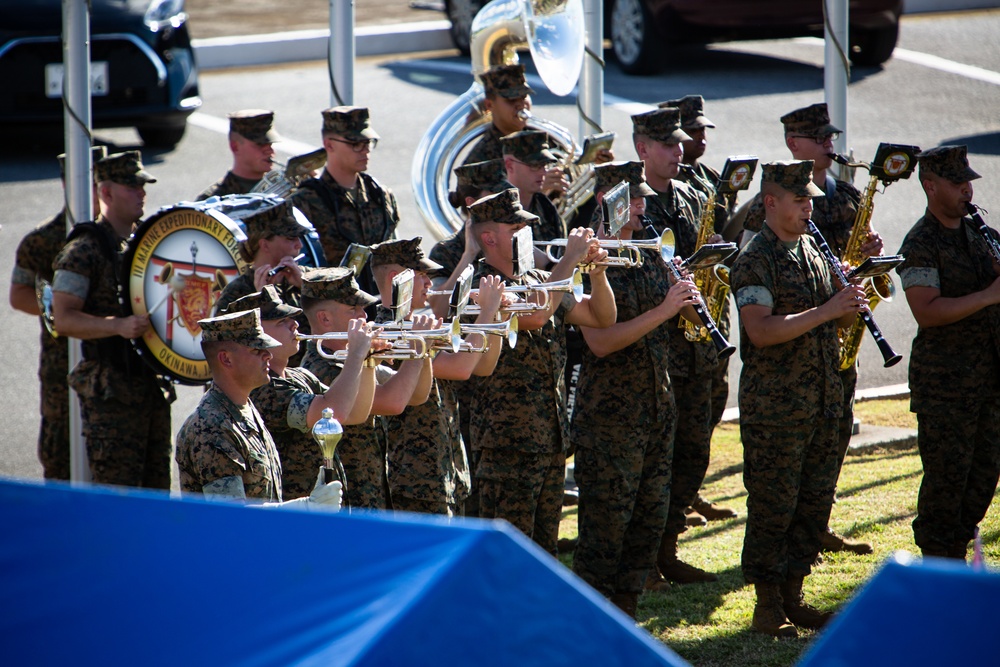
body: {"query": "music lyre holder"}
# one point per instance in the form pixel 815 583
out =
pixel 402 296
pixel 875 266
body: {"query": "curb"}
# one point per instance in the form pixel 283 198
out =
pixel 305 45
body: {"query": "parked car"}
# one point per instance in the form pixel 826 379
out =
pixel 143 72
pixel 641 31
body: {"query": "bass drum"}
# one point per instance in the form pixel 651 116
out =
pixel 175 267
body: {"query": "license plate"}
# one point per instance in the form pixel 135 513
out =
pixel 98 79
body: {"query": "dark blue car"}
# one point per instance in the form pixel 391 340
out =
pixel 143 72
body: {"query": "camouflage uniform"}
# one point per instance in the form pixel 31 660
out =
pixel 834 216
pixel 954 377
pixel 703 178
pixel 623 429
pixel 692 365
pixel 428 468
pixel 504 81
pixel 256 126
pixel 791 398
pixel 284 403
pixel 487 148
pixel 230 184
pixel 362 449
pixel 365 214
pixel 221 439
pixel 34 258
pixel 520 426
pixel 125 409
pixel 274 221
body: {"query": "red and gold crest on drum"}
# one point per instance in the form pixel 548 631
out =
pixel 178 262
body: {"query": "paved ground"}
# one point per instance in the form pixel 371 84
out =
pixel 212 18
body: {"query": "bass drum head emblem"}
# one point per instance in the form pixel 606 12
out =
pixel 178 262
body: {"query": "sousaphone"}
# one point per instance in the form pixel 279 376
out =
pixel 552 30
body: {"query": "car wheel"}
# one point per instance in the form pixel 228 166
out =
pixel 634 39
pixel 161 136
pixel 871 47
pixel 461 13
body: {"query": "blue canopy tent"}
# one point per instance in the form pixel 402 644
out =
pixel 932 612
pixel 113 577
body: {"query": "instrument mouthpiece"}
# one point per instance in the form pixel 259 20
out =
pixel 524 114
pixel 839 159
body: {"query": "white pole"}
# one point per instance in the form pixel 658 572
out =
pixel 591 89
pixel 79 181
pixel 341 53
pixel 836 70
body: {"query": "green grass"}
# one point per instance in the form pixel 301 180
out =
pixel 708 624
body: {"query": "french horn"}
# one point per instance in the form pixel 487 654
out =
pixel 553 31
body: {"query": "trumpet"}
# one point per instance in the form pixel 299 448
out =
pixel 507 329
pixel 572 285
pixel 632 258
pixel 401 339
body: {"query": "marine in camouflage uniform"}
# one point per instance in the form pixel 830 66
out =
pixel 529 150
pixel 250 137
pixel 284 401
pixel 809 134
pixel 954 370
pixel 706 180
pixel 623 428
pixel 125 406
pixel 224 447
pixel 791 399
pixel 427 466
pixel 519 422
pixel 276 221
pixel 362 449
pixel 473 181
pixel 692 365
pixel 507 82
pixel 345 204
pixel 32 262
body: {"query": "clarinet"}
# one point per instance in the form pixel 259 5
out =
pixel 723 347
pixel 888 355
pixel 991 241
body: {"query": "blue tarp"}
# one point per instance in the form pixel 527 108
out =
pixel 931 612
pixel 126 577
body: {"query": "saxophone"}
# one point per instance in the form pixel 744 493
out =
pixel 713 282
pixel 877 289
pixel 892 162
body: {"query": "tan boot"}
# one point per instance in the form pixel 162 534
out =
pixel 693 519
pixel 831 541
pixel 627 602
pixel 768 616
pixel 655 582
pixel 711 511
pixel 797 611
pixel 674 569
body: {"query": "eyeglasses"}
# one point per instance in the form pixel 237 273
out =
pixel 358 146
pixel 819 139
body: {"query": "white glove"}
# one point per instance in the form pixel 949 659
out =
pixel 325 497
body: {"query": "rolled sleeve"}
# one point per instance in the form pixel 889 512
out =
pixel 71 283
pixel 920 276
pixel 754 295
